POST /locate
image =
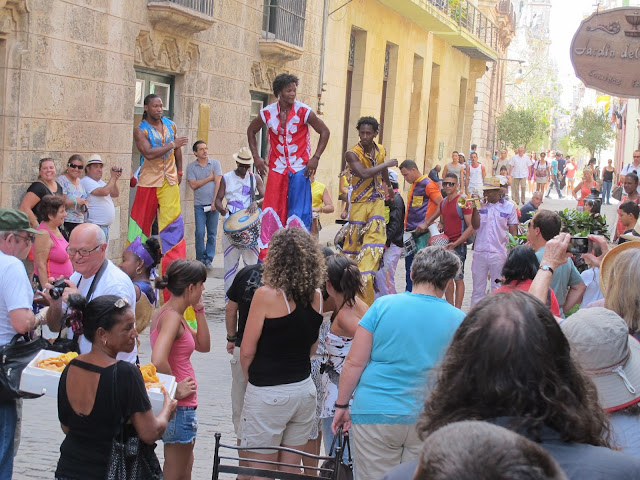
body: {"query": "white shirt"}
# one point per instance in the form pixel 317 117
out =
pixel 630 168
pixel 101 209
pixel 520 166
pixel 15 293
pixel 591 278
pixel 112 282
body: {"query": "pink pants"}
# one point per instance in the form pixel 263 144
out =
pixel 485 265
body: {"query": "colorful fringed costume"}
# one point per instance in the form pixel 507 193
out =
pixel 287 195
pixel 367 235
pixel 159 194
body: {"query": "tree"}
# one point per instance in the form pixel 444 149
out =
pixel 591 130
pixel 519 127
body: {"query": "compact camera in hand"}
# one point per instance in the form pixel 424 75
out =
pixel 58 287
pixel 116 169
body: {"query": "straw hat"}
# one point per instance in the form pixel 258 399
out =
pixel 607 262
pixel 491 183
pixel 601 343
pixel 95 158
pixel 244 156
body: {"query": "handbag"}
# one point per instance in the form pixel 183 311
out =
pixel 345 470
pixel 14 358
pixel 130 457
pixel 617 192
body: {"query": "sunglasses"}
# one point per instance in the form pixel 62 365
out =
pixel 73 165
pixel 448 184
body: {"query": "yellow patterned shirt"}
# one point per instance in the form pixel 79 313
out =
pixel 368 189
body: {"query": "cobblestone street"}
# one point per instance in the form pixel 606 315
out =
pixel 41 433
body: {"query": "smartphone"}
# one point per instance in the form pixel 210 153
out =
pixel 579 245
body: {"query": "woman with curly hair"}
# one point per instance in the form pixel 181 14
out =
pixel 510 364
pixel 280 336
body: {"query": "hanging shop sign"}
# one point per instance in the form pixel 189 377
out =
pixel 605 52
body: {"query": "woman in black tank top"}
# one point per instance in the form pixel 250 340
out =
pixel 279 337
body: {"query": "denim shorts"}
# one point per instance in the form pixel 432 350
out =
pixel 183 427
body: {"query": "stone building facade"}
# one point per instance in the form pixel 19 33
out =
pixel 73 74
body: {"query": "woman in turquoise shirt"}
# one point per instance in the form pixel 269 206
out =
pixel 397 342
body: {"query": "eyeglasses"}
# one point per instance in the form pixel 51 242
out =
pixel 83 251
pixel 636 156
pixel 121 303
pixel 31 237
pixel 448 184
pixel 73 165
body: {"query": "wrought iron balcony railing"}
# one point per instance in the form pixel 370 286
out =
pixel 284 20
pixel 202 6
pixel 470 18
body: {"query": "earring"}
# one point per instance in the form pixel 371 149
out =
pixel 138 270
pixel 105 343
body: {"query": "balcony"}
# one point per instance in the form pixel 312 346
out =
pixel 184 16
pixel 283 30
pixel 457 22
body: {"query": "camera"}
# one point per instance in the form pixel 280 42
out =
pixel 116 169
pixel 58 287
pixel 579 245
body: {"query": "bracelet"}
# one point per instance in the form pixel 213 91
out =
pixel 316 156
pixel 173 144
pixel 40 320
pixel 232 338
pixel 179 172
pixel 337 405
pixel 199 310
pixel 75 202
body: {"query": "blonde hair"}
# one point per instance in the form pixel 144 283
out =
pixel 621 293
pixel 295 264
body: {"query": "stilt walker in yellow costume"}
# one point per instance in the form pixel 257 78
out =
pixel 367 237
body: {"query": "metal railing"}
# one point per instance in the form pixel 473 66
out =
pixel 284 20
pixel 469 17
pixel 202 6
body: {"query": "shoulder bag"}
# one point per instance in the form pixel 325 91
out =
pixel 617 192
pixel 345 470
pixel 130 458
pixel 14 358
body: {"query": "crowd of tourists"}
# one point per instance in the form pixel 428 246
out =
pixel 539 379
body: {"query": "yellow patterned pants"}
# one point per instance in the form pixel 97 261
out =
pixel 365 241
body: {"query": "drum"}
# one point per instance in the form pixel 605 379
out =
pixel 243 229
pixel 437 238
pixel 409 244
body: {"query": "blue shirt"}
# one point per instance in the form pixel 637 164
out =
pixel 554 167
pixel 411 332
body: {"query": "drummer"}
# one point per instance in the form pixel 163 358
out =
pixel 236 187
pixel 423 208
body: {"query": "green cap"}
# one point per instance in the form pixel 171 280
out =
pixel 11 220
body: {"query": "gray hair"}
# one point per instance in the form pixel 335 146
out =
pixel 435 265
pixel 462 450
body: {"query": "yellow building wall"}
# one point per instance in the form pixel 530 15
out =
pixel 404 137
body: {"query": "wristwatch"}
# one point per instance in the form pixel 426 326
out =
pixel 546 268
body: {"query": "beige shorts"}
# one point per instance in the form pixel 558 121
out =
pixel 238 387
pixel 278 415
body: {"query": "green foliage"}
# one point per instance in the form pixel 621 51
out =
pixel 567 145
pixel 591 130
pixel 581 224
pixel 520 127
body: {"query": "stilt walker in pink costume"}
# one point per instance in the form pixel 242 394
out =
pixel 287 199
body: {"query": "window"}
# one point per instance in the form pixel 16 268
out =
pixel 284 20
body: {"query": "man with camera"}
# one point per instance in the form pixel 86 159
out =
pixel 16 315
pixel 102 212
pixel 566 281
pixel 93 276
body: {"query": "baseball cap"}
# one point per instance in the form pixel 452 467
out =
pixel 12 220
pixel 601 343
